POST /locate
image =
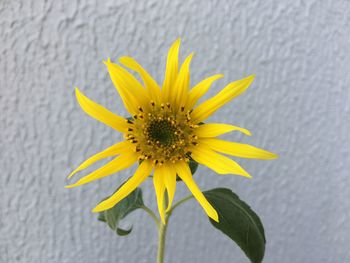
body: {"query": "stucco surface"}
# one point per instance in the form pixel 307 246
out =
pixel 298 106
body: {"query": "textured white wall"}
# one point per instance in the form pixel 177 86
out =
pixel 298 107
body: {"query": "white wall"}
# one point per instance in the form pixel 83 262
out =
pixel 298 107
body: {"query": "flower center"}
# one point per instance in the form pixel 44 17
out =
pixel 162 134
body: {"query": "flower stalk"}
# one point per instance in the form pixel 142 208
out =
pixel 162 228
pixel 152 215
pixel 161 239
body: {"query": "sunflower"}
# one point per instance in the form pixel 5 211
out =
pixel 166 131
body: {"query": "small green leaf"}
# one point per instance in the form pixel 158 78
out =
pixel 239 222
pixel 101 217
pixel 114 215
pixel 123 232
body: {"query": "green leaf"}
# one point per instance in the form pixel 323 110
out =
pixel 101 217
pixel 123 232
pixel 114 215
pixel 239 222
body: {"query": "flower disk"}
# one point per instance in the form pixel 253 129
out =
pixel 162 134
pixel 166 131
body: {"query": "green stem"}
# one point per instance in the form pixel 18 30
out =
pixel 150 212
pixel 163 227
pixel 179 203
pixel 161 239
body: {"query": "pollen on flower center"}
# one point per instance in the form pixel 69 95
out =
pixel 162 133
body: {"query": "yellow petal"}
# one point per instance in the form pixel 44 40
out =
pixel 152 87
pixel 171 72
pixel 200 89
pixel 119 163
pixel 169 176
pixel 238 149
pixel 141 174
pixel 159 188
pixel 110 151
pixel 217 162
pixel 231 91
pixel 181 87
pixel 217 129
pixel 184 173
pixel 100 113
pixel 131 91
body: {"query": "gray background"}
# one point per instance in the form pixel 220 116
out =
pixel 298 106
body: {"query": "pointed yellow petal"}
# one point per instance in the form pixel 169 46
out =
pixel 131 91
pixel 237 149
pixel 99 113
pixel 110 151
pixel 152 87
pixel 181 87
pixel 231 91
pixel 169 176
pixel 217 129
pixel 171 72
pixel 159 188
pixel 200 89
pixel 184 173
pixel 119 163
pixel 217 162
pixel 141 174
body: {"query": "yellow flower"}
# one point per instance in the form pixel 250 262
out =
pixel 165 131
